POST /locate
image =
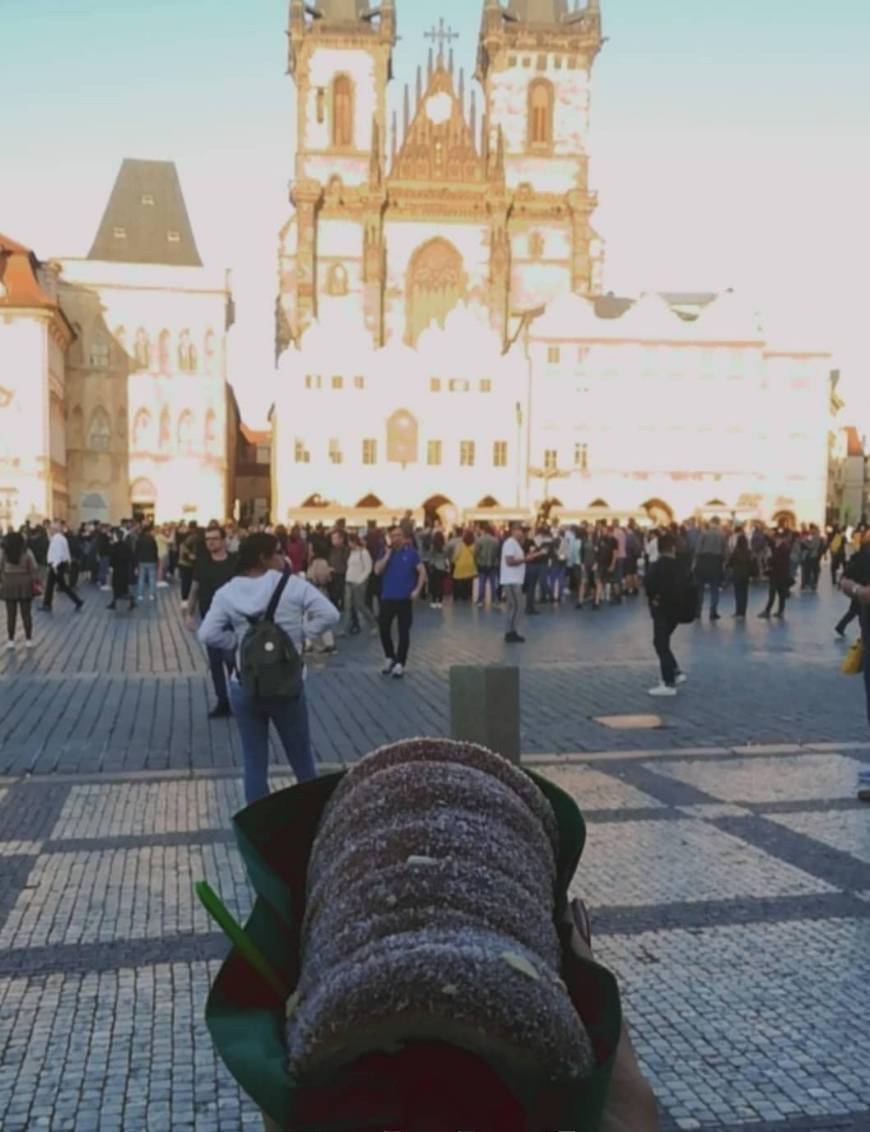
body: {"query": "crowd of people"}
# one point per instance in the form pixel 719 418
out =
pixel 369 580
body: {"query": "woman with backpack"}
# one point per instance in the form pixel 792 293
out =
pixel 266 613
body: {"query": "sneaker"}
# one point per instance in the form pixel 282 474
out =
pixel 682 678
pixel 10 645
pixel 663 690
pixel 764 616
pixel 715 617
pixel 29 645
pixel 105 589
pixel 398 672
pixel 222 711
pixel 841 633
pixel 514 639
pixel 387 670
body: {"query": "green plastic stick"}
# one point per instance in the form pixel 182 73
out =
pixel 238 937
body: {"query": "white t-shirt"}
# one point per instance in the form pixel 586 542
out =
pixel 512 575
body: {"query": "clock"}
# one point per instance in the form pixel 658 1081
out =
pixel 439 108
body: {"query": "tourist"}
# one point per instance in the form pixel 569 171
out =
pixel 781 578
pixel 59 561
pixel 297 552
pixel 487 555
pixel 402 581
pixel 19 579
pixel 710 551
pixel 633 555
pixel 814 549
pixel 857 570
pixel 300 610
pixel 188 552
pixel 438 568
pixel 618 580
pixel 212 571
pixel 605 564
pixel 121 563
pixel 535 553
pixel 859 592
pixel 374 541
pixel 464 569
pixel 837 551
pixel 359 569
pixel 162 537
pixel 339 552
pixel 663 592
pixel 512 576
pixel 760 548
pixel 741 564
pixel 147 556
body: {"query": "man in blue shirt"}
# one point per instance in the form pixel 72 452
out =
pixel 402 577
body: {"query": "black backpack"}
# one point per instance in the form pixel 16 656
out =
pixel 270 666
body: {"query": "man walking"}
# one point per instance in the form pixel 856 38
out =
pixel 59 562
pixel 663 591
pixel 780 577
pixel 403 577
pixel 212 571
pixel 710 566
pixel 486 557
pixel 513 577
pixel 147 556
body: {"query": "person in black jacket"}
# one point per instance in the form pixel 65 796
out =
pixel 147 557
pixel 780 576
pixel 858 570
pixel 121 562
pixel 663 585
pixel 741 564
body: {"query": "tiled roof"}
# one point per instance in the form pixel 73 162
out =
pixel 146 218
pixel 255 435
pixel 19 281
pixel 854 444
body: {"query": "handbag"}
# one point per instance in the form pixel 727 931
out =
pixel 853 665
pixel 36 588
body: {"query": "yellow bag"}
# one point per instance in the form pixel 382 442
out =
pixel 853 665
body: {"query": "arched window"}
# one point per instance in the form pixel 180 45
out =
pixel 76 428
pixel 100 431
pixel 342 112
pixel 540 114
pixel 163 351
pixel 142 349
pixel 336 280
pixel 185 432
pixel 165 429
pixel 211 431
pixel 142 440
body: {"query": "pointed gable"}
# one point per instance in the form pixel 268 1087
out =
pixel 146 219
pixel 439 145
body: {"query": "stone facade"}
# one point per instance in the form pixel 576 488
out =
pixel 432 258
pixel 34 337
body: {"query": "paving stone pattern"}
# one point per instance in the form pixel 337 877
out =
pixel 729 884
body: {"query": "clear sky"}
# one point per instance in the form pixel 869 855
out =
pixel 730 146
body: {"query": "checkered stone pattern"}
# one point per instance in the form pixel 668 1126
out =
pixel 729 892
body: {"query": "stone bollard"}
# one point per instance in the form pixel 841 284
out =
pixel 485 708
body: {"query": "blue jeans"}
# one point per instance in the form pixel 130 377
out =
pixel 291 722
pixel 487 575
pixel 103 567
pixel 556 578
pixel 222 665
pixel 147 579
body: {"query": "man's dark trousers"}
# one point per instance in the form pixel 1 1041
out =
pixel 57 578
pixel 663 630
pixel 403 612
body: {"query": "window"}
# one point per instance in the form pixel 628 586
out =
pixel 551 460
pixel 370 452
pixel 173 237
pixel 309 382
pixel 542 62
pixel 581 457
pixel 540 114
pixel 554 355
pixel 486 386
pixel 300 453
pixel 466 454
pixel 100 431
pixel 120 233
pixel 500 454
pixel 434 384
pixel 582 354
pixel 148 199
pixel 99 355
pixel 458 385
pixel 335 456
pixel 186 433
pixel 264 454
pixel 359 383
pixel 433 453
pixel 338 383
pixel 342 112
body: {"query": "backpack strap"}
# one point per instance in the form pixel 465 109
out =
pixel 276 596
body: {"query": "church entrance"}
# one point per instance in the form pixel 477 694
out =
pixel 436 283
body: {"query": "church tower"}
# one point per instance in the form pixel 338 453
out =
pixel 340 57
pixel 535 62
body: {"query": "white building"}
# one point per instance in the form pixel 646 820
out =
pixel 445 344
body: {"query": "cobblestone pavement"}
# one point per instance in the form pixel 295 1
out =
pixel 730 884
